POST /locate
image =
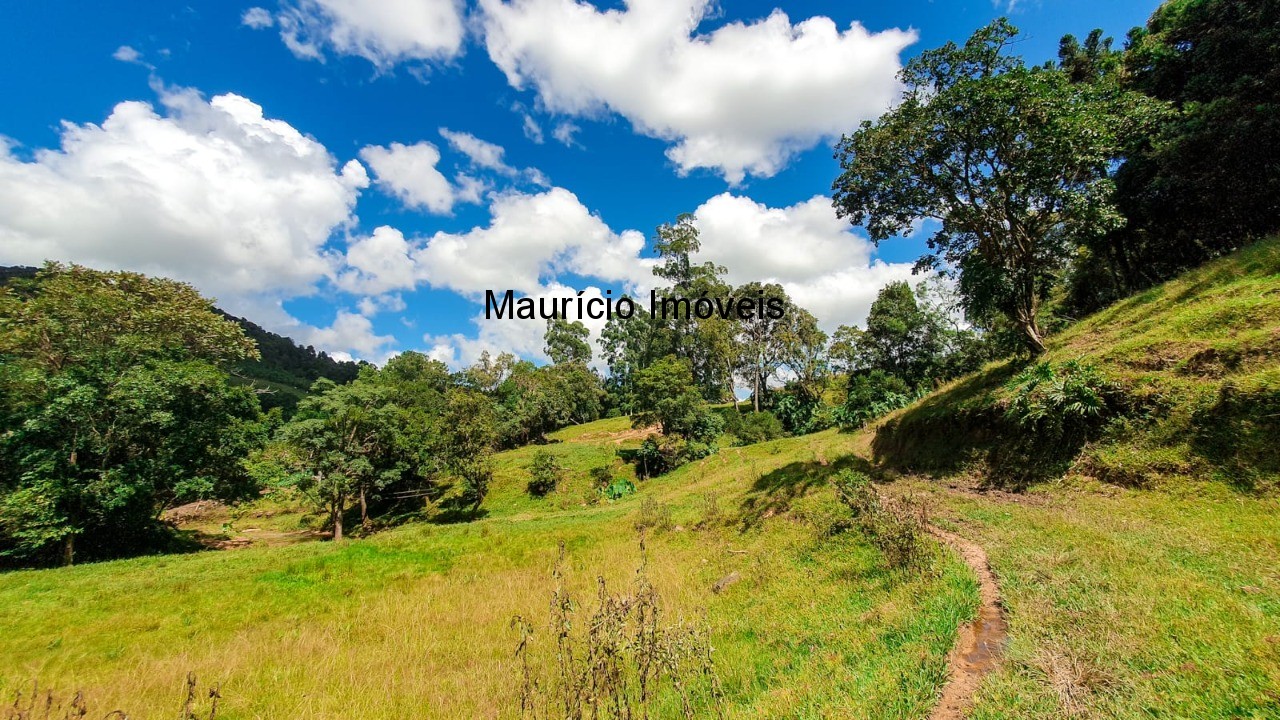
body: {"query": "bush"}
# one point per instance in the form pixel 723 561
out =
pixel 616 661
pixel 801 417
pixel 659 454
pixel 545 474
pixel 872 395
pixel 896 529
pixel 1063 405
pixel 607 486
pixel 754 427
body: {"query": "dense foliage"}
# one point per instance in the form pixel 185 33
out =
pixel 1012 161
pixel 284 370
pixel 114 404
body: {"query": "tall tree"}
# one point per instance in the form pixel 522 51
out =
pixel 344 442
pixel 804 352
pixel 901 338
pixel 700 341
pixel 1012 161
pixel 567 342
pixel 1209 179
pixel 114 404
pixel 761 338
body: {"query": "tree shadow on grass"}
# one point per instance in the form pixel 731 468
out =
pixel 455 510
pixel 773 492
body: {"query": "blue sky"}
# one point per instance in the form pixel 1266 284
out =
pixel 356 174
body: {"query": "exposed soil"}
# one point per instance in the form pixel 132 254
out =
pixel 980 647
pixel 622 435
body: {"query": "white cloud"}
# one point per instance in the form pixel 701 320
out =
pixel 481 153
pixel 409 173
pixel 352 334
pixel 740 99
pixel 470 189
pixel 824 266
pixel 378 263
pixel 564 132
pixel 257 18
pixel 377 304
pixel 126 54
pixel 531 240
pixel 532 129
pixel 211 192
pixel 531 237
pixel 385 32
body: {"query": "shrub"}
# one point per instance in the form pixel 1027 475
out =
pixel 1066 404
pixel 653 515
pixel 872 395
pixel 754 427
pixel 659 454
pixel 801 417
pixel 545 473
pixel 607 486
pixel 896 529
pixel 712 515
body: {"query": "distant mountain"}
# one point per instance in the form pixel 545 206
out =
pixel 285 372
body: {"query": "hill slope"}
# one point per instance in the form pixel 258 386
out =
pixel 1192 368
pixel 1139 567
pixel 416 621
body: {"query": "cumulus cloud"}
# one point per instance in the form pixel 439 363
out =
pixel 379 263
pixel 385 32
pixel 210 192
pixel 740 99
pixel 532 237
pixel 530 240
pixel 352 335
pixel 823 265
pixel 409 173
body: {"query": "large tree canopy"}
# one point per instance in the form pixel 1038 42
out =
pixel 114 404
pixel 1013 162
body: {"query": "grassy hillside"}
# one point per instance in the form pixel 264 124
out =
pixel 1139 568
pixel 416 622
pixel 1194 366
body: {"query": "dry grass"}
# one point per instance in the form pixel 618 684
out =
pixel 415 622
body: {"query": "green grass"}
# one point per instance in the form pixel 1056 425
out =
pixel 1140 574
pixel 1198 358
pixel 415 622
pixel 1129 603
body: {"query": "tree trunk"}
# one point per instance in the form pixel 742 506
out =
pixel 364 510
pixel 68 549
pixel 755 396
pixel 1032 336
pixel 337 520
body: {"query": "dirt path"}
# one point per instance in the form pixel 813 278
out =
pixel 980 646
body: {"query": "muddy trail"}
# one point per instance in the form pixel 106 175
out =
pixel 980 646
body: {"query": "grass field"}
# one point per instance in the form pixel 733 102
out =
pixel 415 622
